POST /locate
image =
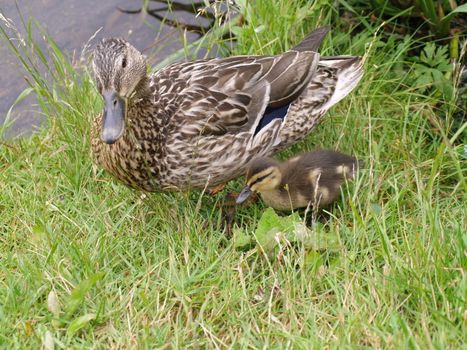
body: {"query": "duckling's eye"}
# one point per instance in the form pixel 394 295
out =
pixel 124 62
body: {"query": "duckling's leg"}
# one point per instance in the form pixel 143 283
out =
pixel 315 215
pixel 229 209
pixel 228 219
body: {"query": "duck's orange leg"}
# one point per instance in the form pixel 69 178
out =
pixel 216 189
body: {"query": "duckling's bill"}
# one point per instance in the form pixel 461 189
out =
pixel 113 123
pixel 243 196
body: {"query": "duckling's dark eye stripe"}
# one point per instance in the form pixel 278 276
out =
pixel 261 178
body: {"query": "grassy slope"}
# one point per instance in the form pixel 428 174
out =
pixel 135 271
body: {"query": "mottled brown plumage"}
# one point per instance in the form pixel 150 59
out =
pixel 313 178
pixel 198 124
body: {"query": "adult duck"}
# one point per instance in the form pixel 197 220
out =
pixel 198 124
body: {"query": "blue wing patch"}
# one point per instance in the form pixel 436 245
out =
pixel 270 114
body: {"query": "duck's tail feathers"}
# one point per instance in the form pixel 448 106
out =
pixel 350 71
pixel 313 40
pixel 334 79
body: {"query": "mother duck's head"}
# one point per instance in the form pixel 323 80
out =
pixel 118 69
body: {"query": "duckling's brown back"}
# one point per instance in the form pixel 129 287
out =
pixel 318 175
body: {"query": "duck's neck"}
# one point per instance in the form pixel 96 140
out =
pixel 137 157
pixel 145 119
pixel 142 91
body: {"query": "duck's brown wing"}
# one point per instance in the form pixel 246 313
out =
pixel 219 96
pixel 230 95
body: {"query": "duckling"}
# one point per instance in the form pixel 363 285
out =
pixel 313 178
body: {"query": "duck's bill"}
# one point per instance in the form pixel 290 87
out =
pixel 113 123
pixel 243 196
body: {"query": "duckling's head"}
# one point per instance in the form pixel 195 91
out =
pixel 118 69
pixel 263 174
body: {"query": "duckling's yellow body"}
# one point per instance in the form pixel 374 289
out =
pixel 313 178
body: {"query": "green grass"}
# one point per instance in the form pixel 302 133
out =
pixel 89 263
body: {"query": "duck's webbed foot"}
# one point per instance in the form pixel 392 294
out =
pixel 216 189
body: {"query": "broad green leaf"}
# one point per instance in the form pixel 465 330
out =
pixel 269 239
pixel 79 323
pixel 437 75
pixel 273 229
pixel 315 239
pixel 458 9
pixel 80 291
pixel 241 238
pixel 268 221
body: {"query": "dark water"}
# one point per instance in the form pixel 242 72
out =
pixel 71 23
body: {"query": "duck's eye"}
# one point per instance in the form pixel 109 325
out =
pixel 124 62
